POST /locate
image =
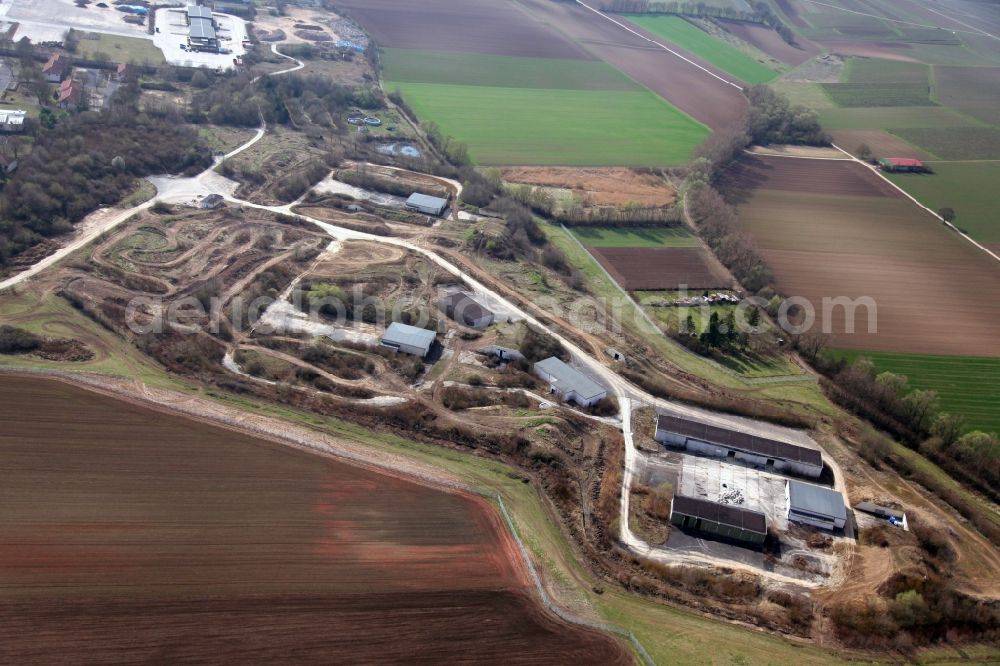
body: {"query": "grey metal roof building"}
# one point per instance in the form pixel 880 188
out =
pixel 722 520
pixel 465 310
pixel 408 339
pixel 201 28
pixel 815 505
pixel 426 204
pixel 719 441
pixel 569 382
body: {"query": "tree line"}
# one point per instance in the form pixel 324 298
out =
pixel 760 12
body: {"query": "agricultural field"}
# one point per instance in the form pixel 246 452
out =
pixel 882 143
pixel 892 117
pixel 972 90
pixel 118 48
pixel 512 110
pixel 692 38
pixel 259 560
pixel 961 382
pixel 876 82
pixel 652 258
pixel 955 143
pixel 768 41
pixel 837 230
pixel 635 236
pixel 967 187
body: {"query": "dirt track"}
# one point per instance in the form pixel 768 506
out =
pixel 188 542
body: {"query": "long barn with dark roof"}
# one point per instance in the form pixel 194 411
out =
pixel 722 442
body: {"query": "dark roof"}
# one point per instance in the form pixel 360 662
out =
pixel 878 510
pixel 769 448
pixel 463 309
pixel 726 514
pixel 816 500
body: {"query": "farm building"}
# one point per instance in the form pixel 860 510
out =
pixel 12 120
pixel 901 164
pixel 201 33
pixel 55 68
pixel 569 383
pixel 428 205
pixel 408 339
pixel 722 442
pixel 70 94
pixel 721 520
pixel 814 505
pixel 465 310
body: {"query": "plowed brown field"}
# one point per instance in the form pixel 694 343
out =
pixel 770 42
pixel 131 536
pixel 651 268
pixel 830 229
pixel 473 26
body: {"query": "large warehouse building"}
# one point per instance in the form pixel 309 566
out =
pixel 201 29
pixel 426 204
pixel 408 339
pixel 569 383
pixel 721 520
pixel 814 505
pixel 721 442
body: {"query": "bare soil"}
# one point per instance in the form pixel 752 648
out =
pixel 881 142
pixel 642 268
pixel 770 42
pixel 131 535
pixel 832 229
pixel 473 26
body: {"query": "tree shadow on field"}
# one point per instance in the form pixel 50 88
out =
pixel 738 183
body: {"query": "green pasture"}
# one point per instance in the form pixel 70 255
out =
pixel 966 385
pixel 954 143
pixel 967 187
pixel 474 69
pixel 635 236
pixel 118 48
pixel 879 94
pixel 541 126
pixel 697 41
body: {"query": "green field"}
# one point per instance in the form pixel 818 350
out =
pixel 954 143
pixel 890 117
pixel 966 385
pixel 474 69
pixel 118 48
pixel 697 41
pixel 635 236
pixel 877 70
pixel 879 94
pixel 968 187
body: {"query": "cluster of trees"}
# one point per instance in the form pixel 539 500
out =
pixel 520 238
pixel 87 161
pixel 760 12
pixel 771 118
pixel 15 340
pixel 914 416
pixel 294 184
pixel 718 224
pixel 537 345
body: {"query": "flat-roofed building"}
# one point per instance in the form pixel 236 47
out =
pixel 720 442
pixel 721 520
pixel 408 339
pixel 12 120
pixel 201 28
pixel 814 505
pixel 569 383
pixel 428 205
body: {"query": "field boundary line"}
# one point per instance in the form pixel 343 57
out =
pixel 909 196
pixel 884 18
pixel 662 46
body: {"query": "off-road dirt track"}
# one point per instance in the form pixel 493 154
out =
pixel 837 230
pixel 131 535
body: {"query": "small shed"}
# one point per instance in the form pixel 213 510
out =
pixel 894 516
pixel 465 310
pixel 569 383
pixel 408 339
pixel 720 520
pixel 428 205
pixel 814 505
pixel 211 201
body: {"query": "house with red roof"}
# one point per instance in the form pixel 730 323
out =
pixel 901 164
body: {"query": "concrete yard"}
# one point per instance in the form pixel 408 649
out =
pixel 735 484
pixel 173 34
pixel 48 20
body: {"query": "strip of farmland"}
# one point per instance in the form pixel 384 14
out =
pixel 129 535
pixel 831 229
pixel 647 268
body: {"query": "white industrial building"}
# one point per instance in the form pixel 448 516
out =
pixel 427 205
pixel 814 505
pixel 719 442
pixel 569 383
pixel 12 120
pixel 408 339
